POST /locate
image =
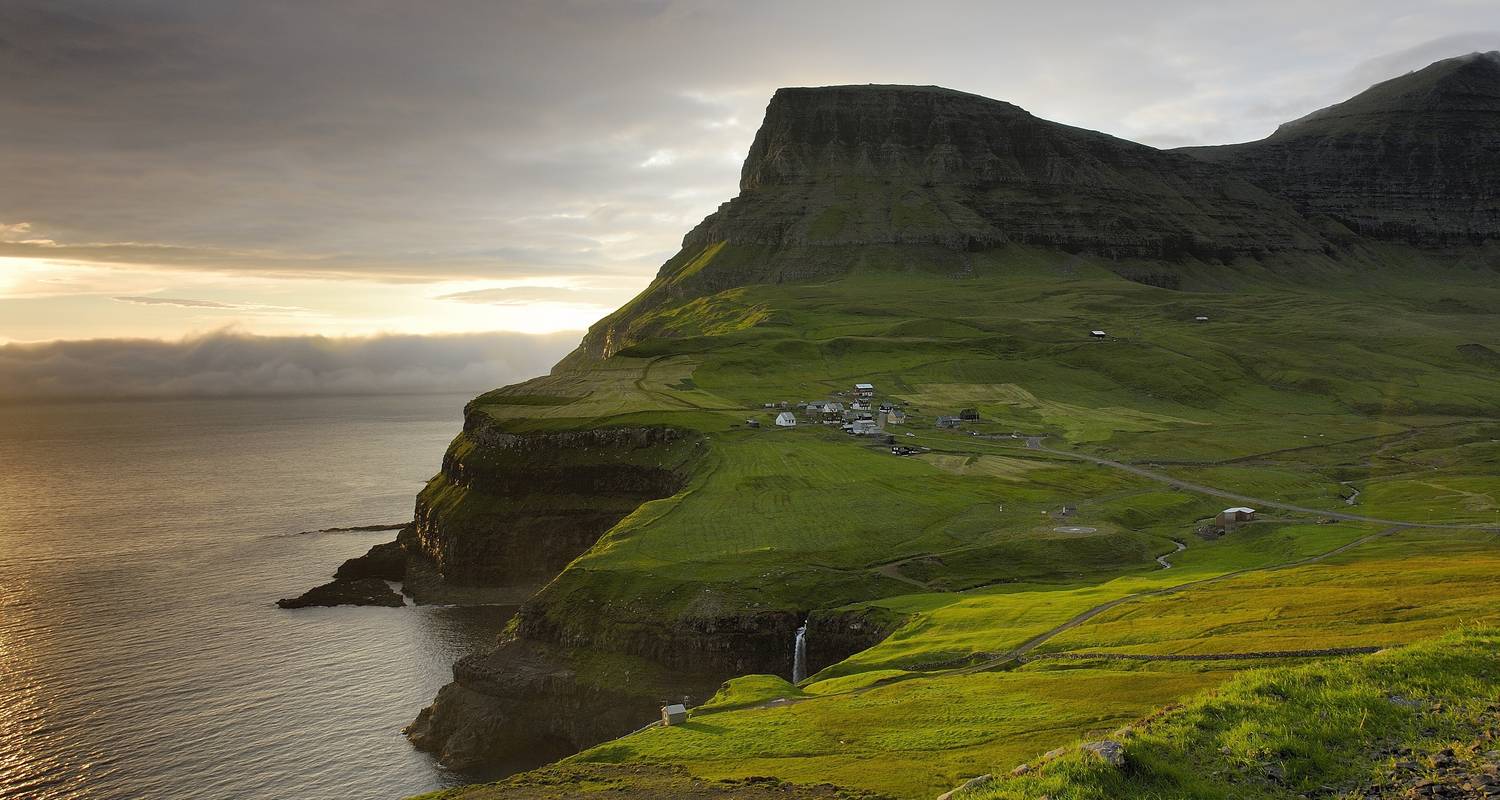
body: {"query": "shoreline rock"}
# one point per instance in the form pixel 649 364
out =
pixel 355 592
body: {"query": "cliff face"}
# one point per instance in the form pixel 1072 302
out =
pixel 1413 159
pixel 859 165
pixel 919 173
pixel 514 509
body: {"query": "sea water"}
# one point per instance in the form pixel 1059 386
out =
pixel 142 548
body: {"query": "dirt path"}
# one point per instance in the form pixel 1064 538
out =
pixel 1035 443
pixel 894 571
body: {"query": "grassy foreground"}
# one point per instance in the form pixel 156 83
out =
pixel 1334 729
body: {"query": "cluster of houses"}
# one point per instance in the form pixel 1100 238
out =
pixel 862 415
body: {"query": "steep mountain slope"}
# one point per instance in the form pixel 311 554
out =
pixel 1415 159
pixel 838 176
pixel 978 594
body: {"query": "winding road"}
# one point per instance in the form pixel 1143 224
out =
pixel 1035 443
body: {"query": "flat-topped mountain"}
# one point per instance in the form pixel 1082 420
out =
pixel 846 177
pixel 858 165
pixel 1414 159
pixel 838 176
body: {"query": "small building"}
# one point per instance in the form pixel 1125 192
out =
pixel 1200 318
pixel 864 389
pixel 786 419
pixel 859 405
pixel 864 427
pixel 752 423
pixel 673 714
pixel 895 417
pixel 1099 334
pixel 969 415
pixel 1230 516
pixel 833 408
pixel 948 422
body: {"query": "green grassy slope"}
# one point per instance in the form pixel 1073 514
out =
pixel 1312 381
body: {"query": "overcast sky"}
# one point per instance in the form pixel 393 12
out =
pixel 171 167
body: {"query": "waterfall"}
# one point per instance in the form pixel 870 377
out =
pixel 799 655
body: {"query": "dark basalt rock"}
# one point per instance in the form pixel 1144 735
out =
pixel 355 592
pixel 864 165
pixel 1413 159
pixel 514 509
pixel 386 561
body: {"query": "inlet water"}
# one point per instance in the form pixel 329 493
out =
pixel 799 655
pixel 142 550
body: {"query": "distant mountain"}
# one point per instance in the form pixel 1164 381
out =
pixel 1414 159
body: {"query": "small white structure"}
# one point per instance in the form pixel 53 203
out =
pixel 1099 334
pixel 1200 318
pixel 1230 516
pixel 674 714
pixel 833 408
pixel 786 419
pixel 895 417
pixel 859 405
pixel 864 389
pixel 864 427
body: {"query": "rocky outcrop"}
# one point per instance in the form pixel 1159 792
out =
pixel 385 561
pixel 834 636
pixel 722 647
pixel 514 509
pixel 527 697
pixel 1412 159
pixel 350 592
pixel 359 581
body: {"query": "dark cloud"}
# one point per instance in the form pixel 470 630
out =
pixel 229 364
pixel 542 137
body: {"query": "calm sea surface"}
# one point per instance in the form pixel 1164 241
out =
pixel 142 546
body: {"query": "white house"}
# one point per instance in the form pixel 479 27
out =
pixel 864 389
pixel 786 420
pixel 1099 334
pixel 674 714
pixel 1229 516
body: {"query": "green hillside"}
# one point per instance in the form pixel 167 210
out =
pixel 1280 396
pixel 1091 349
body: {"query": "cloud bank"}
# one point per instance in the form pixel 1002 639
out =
pixel 228 364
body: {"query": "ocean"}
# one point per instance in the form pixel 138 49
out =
pixel 142 548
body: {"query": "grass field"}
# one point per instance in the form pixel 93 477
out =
pixel 982 545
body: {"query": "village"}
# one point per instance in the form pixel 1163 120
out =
pixel 856 412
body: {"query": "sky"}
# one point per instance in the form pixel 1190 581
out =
pixel 181 169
